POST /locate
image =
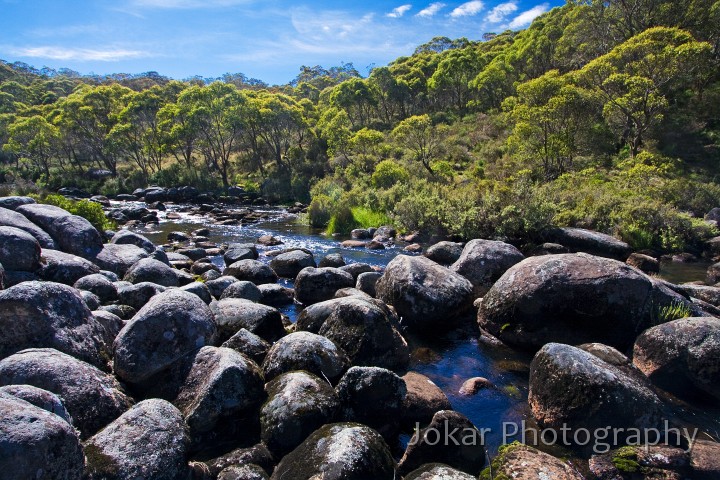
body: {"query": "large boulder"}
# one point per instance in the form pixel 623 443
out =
pixel 251 270
pixel 19 250
pixel 232 314
pixel 367 333
pixel 45 314
pixel 334 260
pixel 289 264
pixel 147 441
pixel 153 271
pixel 248 344
pixel 298 404
pixel 445 253
pixel 588 241
pixel 10 218
pixel 571 388
pixel 573 298
pixel 64 267
pixel 118 258
pixel 218 285
pixel 682 356
pixel 93 398
pixel 126 237
pixel 484 261
pixel 240 251
pixel 275 295
pixel 138 294
pixel 313 285
pixel 171 325
pixel 341 451
pixel 427 296
pixel 523 462
pixel 220 384
pixel 40 398
pixel 13 202
pixel 37 444
pixel 72 233
pixel 241 289
pixel 100 285
pixel 306 351
pixel 200 290
pixel 422 400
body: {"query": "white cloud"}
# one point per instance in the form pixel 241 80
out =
pixel 399 11
pixel 180 4
pixel 501 11
pixel 79 54
pixel 431 10
pixel 467 9
pixel 526 18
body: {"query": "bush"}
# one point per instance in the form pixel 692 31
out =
pixel 388 173
pixel 342 221
pixel 90 211
pixel 367 218
pixel 319 211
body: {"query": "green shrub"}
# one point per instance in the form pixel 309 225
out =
pixel 366 218
pixel 342 221
pixel 90 211
pixel 388 173
pixel 319 211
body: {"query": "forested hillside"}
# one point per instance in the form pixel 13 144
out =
pixel 602 114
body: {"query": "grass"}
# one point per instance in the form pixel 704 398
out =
pixel 674 311
pixel 366 218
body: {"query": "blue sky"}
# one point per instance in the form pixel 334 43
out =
pixel 268 39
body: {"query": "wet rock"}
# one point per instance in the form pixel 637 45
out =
pixel 445 253
pixel 334 260
pixel 242 289
pixel 355 269
pixel 427 296
pixel 243 472
pixel 484 261
pixel 252 271
pixel 573 298
pixel 120 451
pixel 9 218
pixel 314 285
pixel 298 404
pixel 523 462
pixel 119 258
pixel 588 241
pixel 573 388
pixel 248 344
pixel 464 448
pixel 171 325
pixel 288 265
pixel 375 245
pixel 682 356
pixel 366 282
pixel 232 314
pixel 372 396
pixel 367 333
pixel 269 241
pixel 360 234
pixel 39 397
pixel 221 383
pixel 126 237
pixel 276 295
pixel 218 285
pixel 64 268
pixel 35 443
pixel 18 250
pixel 179 237
pixel 153 271
pixel 473 385
pixel 341 451
pixel 93 398
pixel 414 248
pixel 256 455
pixel 45 314
pixel 72 233
pixel 437 471
pixel 98 284
pixel 423 399
pixel 645 263
pixel 306 351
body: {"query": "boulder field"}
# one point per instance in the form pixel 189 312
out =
pixel 123 361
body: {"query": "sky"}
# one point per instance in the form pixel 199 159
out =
pixel 265 39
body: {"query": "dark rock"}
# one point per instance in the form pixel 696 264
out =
pixel 118 258
pixel 355 269
pixel 314 285
pixel 240 251
pixel 39 397
pixel 243 472
pixel 710 295
pixel 91 300
pixel 573 388
pixel 171 325
pixel 13 278
pixel 126 237
pixel 298 404
pixel 111 324
pixel 713 274
pixel 464 449
pixel 445 253
pixel 93 398
pixel 313 317
pixel 366 282
pixel 45 314
pixel 178 237
pixel 124 312
pixel 255 455
pixel 242 289
pixel 218 285
pixel 35 443
pixel 153 271
pixel 423 399
pixel 19 250
pixel 2 277
pixel 682 356
pixel 414 248
pixel 360 234
pixel 367 332
pixel 12 203
pixel 437 471
pixel 72 233
pixel 484 261
pixel 121 450
pixel 137 295
pixel 644 263
pixel 199 289
pixel 385 231
pixel 10 218
pixel 306 351
pixel 341 451
pixel 523 462
pixel 334 260
pixel 211 275
pixel 588 241
pixel 427 296
pixel 64 268
pixel 232 314
pixel 252 271
pixel 573 298
pixel 193 254
pixel 248 344
pixel 351 292
pixel 276 295
pixel 375 245
pixel 288 265
pixel 99 285
pixel 200 267
pixel 549 248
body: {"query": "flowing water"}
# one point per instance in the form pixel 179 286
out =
pixel 447 361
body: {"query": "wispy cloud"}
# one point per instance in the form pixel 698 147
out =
pixel 185 4
pixel 65 31
pixel 431 10
pixel 78 54
pixel 526 18
pixel 467 9
pixel 399 11
pixel 501 11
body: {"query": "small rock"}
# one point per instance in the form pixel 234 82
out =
pixel 473 385
pixel 423 399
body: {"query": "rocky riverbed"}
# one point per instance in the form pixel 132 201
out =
pixel 233 343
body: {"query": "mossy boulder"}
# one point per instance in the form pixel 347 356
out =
pixel 517 461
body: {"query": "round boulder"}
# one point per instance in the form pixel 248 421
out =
pixel 305 351
pixel 98 284
pixel 523 462
pixel 313 285
pixel 251 270
pixel 444 253
pixel 248 344
pixel 118 258
pixel 39 397
pixel 422 400
pixel 153 271
pixel 334 260
pixel 64 267
pixel 241 289
pixel 232 314
pixel 19 250
pixel 289 264
pixel 484 261
pixel 126 237
pixel 10 218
